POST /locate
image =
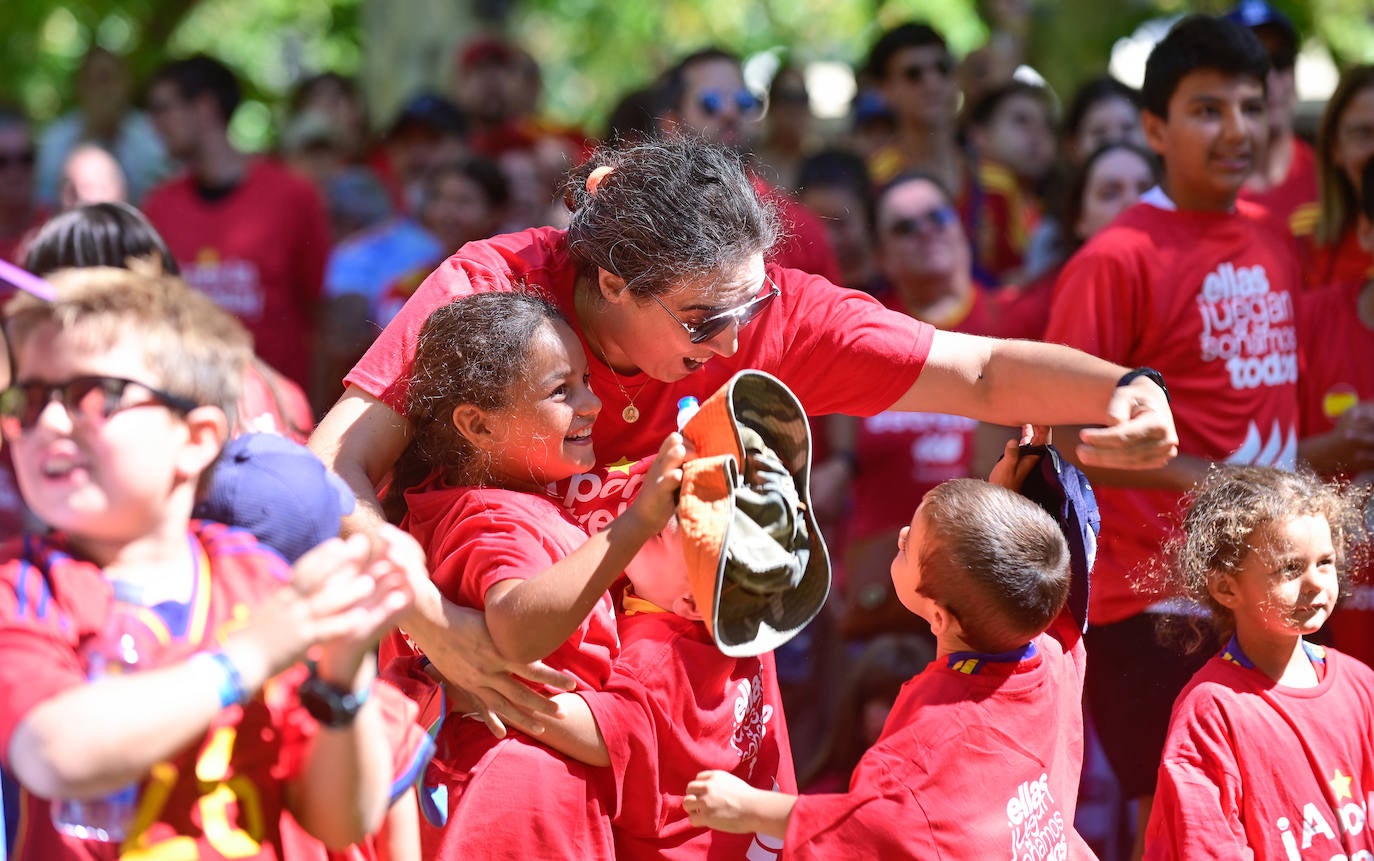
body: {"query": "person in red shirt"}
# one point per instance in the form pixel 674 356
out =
pixel 501 405
pixel 1269 753
pixel 245 230
pixel 1336 390
pixel 662 276
pixel 894 457
pixel 112 234
pixel 1345 142
pixel 1106 183
pixel 981 754
pixel 1203 289
pixel 1285 180
pixel 1012 132
pixel 123 386
pixel 914 73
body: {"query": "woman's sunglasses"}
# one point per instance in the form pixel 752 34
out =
pixel 741 315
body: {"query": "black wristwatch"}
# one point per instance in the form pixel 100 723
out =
pixel 329 705
pixel 1148 373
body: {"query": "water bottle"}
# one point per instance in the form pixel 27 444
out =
pixel 686 408
pixel 108 817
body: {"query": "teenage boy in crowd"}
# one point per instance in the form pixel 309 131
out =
pixel 1202 289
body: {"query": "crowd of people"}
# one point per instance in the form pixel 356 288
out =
pixel 539 638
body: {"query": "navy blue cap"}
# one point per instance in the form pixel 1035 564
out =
pixel 1063 490
pixel 279 491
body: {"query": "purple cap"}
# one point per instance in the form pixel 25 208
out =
pixel 1063 490
pixel 279 491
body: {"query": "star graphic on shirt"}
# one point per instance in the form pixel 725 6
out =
pixel 1340 784
pixel 621 466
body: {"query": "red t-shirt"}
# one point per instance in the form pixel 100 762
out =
pixel 1025 309
pixel 259 252
pixel 902 455
pixel 674 707
pixel 1337 352
pixel 1253 769
pixel 805 244
pixel 977 760
pixel 817 338
pixel 1342 262
pixel 1298 190
pixel 1208 299
pixel 273 404
pixel 476 537
pixel 509 796
pixel 52 604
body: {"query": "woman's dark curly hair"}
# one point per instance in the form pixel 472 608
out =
pixel 671 210
pixel 470 351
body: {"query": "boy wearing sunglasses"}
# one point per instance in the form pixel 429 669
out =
pixel 124 388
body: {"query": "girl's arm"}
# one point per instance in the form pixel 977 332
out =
pixel 573 732
pixel 528 619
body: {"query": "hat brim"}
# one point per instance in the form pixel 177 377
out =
pixel 745 623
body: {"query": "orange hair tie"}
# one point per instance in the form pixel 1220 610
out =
pixel 596 177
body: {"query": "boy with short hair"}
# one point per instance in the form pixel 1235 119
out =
pixel 981 753
pixel 220 728
pixel 1201 288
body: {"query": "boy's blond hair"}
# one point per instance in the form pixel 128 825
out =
pixel 196 348
pixel 994 560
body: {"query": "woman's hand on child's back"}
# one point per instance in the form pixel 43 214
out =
pixel 656 502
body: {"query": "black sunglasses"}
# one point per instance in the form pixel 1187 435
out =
pixel 934 221
pixel 741 315
pixel 713 102
pixel 23 158
pixel 916 72
pixel 87 399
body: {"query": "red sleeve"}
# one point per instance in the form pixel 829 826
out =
pixel 840 350
pixel 384 368
pixel 486 547
pixel 1096 301
pixel 1196 812
pixel 625 719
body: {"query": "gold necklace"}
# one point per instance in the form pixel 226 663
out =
pixel 631 412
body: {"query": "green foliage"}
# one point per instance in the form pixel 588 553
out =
pixel 592 51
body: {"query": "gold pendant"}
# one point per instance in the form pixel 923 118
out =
pixel 630 414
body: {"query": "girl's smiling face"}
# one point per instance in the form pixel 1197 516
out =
pixel 545 433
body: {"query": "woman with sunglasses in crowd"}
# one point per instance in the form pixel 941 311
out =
pixel 661 274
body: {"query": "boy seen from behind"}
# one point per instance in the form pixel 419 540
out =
pixel 981 753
